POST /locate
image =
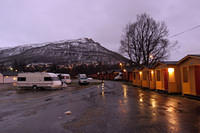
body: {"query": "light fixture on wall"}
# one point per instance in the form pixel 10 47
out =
pixel 171 70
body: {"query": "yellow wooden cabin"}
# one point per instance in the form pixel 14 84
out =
pixel 168 77
pixel 137 77
pixel 190 75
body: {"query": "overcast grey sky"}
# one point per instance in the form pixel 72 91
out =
pixel 35 21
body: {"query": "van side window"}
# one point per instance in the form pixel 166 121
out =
pixel 21 79
pixel 47 79
pixel 51 79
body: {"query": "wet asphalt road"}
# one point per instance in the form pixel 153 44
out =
pixel 112 107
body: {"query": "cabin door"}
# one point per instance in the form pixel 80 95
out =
pixel 165 75
pixel 197 79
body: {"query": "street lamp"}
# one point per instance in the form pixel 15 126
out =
pixel 120 64
pixel 11 68
pixel 151 57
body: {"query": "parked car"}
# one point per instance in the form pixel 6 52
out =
pixel 118 77
pixel 82 78
pixel 38 80
pixel 65 78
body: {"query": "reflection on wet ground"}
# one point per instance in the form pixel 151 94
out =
pixel 108 107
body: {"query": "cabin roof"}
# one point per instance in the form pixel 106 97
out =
pixel 166 63
pixel 189 56
pixel 169 62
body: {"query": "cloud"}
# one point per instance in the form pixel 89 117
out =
pixel 35 21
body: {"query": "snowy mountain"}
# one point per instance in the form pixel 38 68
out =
pixel 66 51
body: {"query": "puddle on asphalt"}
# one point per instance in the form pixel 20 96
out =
pixel 23 91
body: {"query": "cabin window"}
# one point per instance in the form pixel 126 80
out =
pixel 21 79
pixel 158 75
pixel 185 74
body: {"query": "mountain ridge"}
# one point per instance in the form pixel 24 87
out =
pixel 83 50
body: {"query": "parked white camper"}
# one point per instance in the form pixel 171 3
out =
pixel 38 80
pixel 66 78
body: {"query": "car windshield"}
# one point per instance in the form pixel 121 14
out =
pixel 65 77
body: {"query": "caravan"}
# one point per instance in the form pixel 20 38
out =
pixel 38 80
pixel 65 78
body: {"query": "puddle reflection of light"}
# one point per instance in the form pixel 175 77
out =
pixel 171 116
pixel 141 96
pixel 153 103
pixel 125 89
pixel 102 92
pixel 141 100
pixel 170 109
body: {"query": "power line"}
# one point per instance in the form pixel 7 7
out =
pixel 193 28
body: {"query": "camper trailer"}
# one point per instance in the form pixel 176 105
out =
pixel 65 78
pixel 38 80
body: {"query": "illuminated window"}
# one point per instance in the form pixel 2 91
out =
pixel 158 75
pixel 185 74
pixel 171 74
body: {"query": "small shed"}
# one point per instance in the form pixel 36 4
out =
pixel 168 77
pixel 190 75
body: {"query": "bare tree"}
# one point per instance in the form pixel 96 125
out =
pixel 145 41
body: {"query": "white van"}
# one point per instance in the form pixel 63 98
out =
pixel 66 78
pixel 38 80
pixel 118 77
pixel 83 79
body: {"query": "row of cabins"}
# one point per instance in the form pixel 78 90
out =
pixel 127 75
pixel 173 77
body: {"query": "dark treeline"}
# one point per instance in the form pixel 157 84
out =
pixel 72 70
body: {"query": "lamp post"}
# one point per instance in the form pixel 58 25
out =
pixel 121 65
